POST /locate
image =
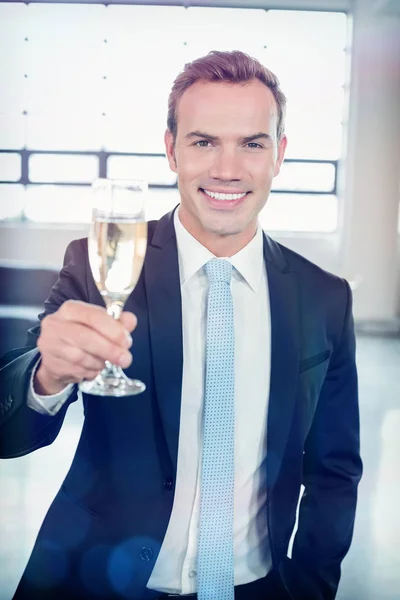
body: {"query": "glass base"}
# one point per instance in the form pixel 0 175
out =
pixel 112 381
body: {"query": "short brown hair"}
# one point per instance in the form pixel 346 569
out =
pixel 233 67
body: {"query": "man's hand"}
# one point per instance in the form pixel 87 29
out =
pixel 76 340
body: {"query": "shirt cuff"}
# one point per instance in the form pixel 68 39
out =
pixel 47 405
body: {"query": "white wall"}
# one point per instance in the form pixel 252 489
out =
pixel 370 229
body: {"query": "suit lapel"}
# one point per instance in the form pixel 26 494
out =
pixel 161 272
pixel 283 295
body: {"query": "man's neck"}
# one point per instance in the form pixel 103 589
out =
pixel 221 245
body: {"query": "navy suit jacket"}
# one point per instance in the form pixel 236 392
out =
pixel 103 531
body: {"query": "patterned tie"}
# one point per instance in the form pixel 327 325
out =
pixel 215 549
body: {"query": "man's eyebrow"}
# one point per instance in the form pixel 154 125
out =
pixel 256 136
pixel 244 140
pixel 201 134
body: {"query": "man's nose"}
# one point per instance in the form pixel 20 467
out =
pixel 226 166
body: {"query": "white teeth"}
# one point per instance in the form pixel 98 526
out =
pixel 218 196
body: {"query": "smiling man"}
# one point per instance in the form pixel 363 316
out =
pixel 248 353
pixel 228 147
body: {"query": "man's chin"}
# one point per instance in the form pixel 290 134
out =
pixel 223 230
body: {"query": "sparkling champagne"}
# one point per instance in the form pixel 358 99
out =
pixel 117 247
pixel 117 244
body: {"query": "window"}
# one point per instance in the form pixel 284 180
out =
pixel 85 91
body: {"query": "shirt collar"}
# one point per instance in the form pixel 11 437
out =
pixel 192 255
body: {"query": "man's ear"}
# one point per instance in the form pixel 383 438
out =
pixel 170 150
pixel 281 154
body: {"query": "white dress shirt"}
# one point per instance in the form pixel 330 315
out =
pixel 175 568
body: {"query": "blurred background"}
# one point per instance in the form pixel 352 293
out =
pixel 83 93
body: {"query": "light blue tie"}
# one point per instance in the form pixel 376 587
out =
pixel 215 549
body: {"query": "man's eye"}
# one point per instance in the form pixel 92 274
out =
pixel 202 143
pixel 254 145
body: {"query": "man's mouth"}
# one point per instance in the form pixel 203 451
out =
pixel 224 196
pixel 227 198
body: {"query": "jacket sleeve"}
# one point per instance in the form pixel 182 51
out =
pixel 23 430
pixel 332 469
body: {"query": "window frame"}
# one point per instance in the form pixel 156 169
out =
pixel 338 6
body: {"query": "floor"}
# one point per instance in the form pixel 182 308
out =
pixel 371 570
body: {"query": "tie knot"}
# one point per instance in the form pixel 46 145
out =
pixel 218 270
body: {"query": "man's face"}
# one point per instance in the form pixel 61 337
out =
pixel 225 154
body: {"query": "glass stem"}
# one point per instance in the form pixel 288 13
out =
pixel 114 309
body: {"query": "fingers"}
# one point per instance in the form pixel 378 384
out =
pixel 78 341
pixel 80 346
pixel 128 320
pixel 96 318
pixel 78 358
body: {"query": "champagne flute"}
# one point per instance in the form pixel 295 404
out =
pixel 117 244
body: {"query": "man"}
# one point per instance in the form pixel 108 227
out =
pixel 247 351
